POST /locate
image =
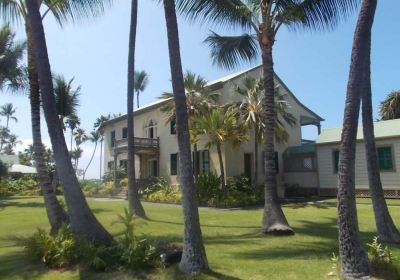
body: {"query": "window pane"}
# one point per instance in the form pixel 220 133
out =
pixel 336 161
pixel 125 133
pixel 385 158
pixel 206 161
pixel 112 138
pixel 173 126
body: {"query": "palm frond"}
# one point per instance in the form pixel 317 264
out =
pixel 223 12
pixel 230 51
pixel 12 11
pixel 141 79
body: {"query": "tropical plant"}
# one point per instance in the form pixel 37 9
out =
pixel 354 259
pixel 389 108
pixel 94 137
pixel 12 73
pixel 7 111
pixel 72 122
pixel 133 193
pixel 3 170
pixel 67 99
pixel 252 109
pixel 199 101
pixel 140 82
pixel 98 126
pixel 11 142
pixel 221 126
pixel 261 21
pixel 83 222
pixel 194 257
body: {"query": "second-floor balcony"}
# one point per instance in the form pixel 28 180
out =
pixel 142 145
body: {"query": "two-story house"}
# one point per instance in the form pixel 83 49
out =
pixel 156 143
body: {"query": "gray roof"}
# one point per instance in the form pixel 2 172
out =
pixel 383 129
pixel 213 85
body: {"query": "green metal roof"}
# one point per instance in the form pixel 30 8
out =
pixel 383 129
pixel 304 149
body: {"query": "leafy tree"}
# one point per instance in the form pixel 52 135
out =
pixel 7 111
pixel 11 142
pixel 133 193
pixel 354 260
pixel 221 126
pixel 98 126
pixel 390 107
pixel 261 21
pixel 140 82
pixel 94 137
pixel 67 99
pixel 3 170
pixel 83 222
pixel 12 73
pixel 194 257
pixel 252 110
pixel 72 122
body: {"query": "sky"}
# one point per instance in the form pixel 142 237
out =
pixel 314 65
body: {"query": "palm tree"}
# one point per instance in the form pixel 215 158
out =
pixel 141 79
pixel 194 257
pixel 83 222
pixel 80 137
pixel 7 111
pixel 72 122
pixel 264 18
pixel 12 73
pixel 386 228
pixel 12 142
pixel 354 260
pixel 67 99
pixel 390 107
pixel 98 126
pixel 199 101
pixel 94 137
pixel 133 193
pixel 221 126
pixel 252 110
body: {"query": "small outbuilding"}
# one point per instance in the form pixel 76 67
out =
pixel 387 135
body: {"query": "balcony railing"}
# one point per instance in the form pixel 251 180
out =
pixel 140 144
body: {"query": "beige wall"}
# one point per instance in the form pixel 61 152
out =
pixel 328 179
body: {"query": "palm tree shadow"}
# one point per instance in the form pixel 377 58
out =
pixel 202 225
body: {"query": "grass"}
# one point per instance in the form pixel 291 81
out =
pixel 235 248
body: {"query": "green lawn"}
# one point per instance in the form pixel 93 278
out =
pixel 234 246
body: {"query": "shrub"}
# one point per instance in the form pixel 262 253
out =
pixel 58 251
pixel 90 187
pixel 171 194
pixel 160 184
pixel 22 186
pixel 208 186
pixel 3 170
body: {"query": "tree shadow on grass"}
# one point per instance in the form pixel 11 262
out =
pixel 202 225
pixel 25 204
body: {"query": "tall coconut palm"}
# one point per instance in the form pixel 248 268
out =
pixel 264 19
pixel 389 108
pixel 12 73
pixel 252 109
pixel 83 222
pixel 221 126
pixel 140 83
pixel 80 137
pixel 133 193
pixel 354 260
pixel 98 126
pixel 199 101
pixel 194 257
pixel 385 226
pixel 72 122
pixel 67 98
pixel 7 111
pixel 94 137
pixel 63 10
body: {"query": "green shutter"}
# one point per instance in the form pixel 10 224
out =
pixel 385 158
pixel 125 133
pixel 336 161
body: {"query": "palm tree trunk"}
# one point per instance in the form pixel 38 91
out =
pixel 274 220
pixel 196 162
pixel 194 257
pixel 221 166
pixel 137 98
pixel 386 228
pixel 55 213
pixel 255 178
pixel 354 260
pixel 90 161
pixel 72 135
pixel 83 223
pixel 101 156
pixel 133 193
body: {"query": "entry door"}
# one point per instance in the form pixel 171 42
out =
pixel 247 165
pixel 153 168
